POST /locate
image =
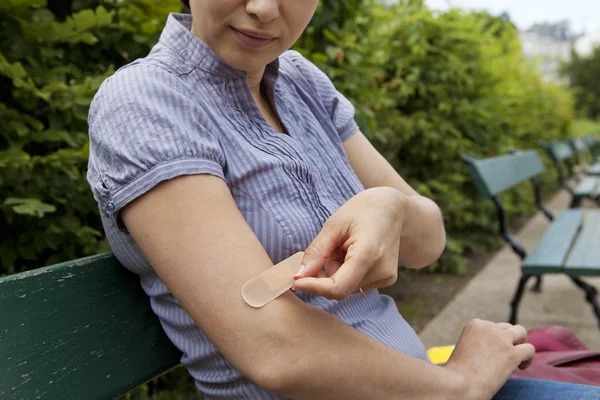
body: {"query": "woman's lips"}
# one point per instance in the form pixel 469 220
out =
pixel 250 40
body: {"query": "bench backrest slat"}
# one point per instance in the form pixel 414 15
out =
pixel 561 150
pixel 579 145
pixel 495 175
pixel 78 330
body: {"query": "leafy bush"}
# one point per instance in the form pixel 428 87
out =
pixel 53 57
pixel 430 86
pixel 427 87
pixel 582 74
pixel 584 127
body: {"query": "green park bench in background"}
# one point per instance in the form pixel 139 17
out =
pixel 570 244
pixel 564 157
pixel 79 330
pixel 585 152
pixel 594 146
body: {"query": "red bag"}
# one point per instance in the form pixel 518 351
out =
pixel 560 356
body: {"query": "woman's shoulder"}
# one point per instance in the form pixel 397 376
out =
pixel 302 72
pixel 298 67
pixel 139 80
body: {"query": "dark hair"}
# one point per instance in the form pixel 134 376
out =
pixel 186 3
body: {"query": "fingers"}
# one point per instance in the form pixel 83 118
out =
pixel 518 334
pixel 323 286
pixel 339 286
pixel 327 241
pixel 525 354
pixel 334 262
pixel 504 325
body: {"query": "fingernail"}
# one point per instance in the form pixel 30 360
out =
pixel 300 271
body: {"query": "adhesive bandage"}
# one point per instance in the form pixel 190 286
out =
pixel 266 287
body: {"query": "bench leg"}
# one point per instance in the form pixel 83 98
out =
pixel 590 295
pixel 576 202
pixel 537 286
pixel 514 305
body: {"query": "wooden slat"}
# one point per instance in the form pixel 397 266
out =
pixel 561 150
pixel 594 170
pixel 550 253
pixel 78 330
pixel 587 187
pixel 579 144
pixel 584 259
pixel 495 175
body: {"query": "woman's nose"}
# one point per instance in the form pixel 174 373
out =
pixel 264 10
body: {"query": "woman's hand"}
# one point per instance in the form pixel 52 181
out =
pixel 358 246
pixel 486 355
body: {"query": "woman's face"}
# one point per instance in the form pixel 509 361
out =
pixel 249 34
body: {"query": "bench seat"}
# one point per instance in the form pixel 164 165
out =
pixel 569 246
pixel 588 187
pixel 594 170
pixel 584 259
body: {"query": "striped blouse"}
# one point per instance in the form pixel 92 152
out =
pixel 182 110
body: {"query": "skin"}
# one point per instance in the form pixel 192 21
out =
pixel 289 347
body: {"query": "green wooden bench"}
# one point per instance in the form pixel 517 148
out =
pixel 564 157
pixel 570 244
pixel 584 150
pixel 78 330
pixel 594 145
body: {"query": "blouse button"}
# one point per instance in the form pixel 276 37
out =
pixel 110 208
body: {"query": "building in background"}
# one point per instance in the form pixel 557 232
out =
pixel 549 45
pixel 586 43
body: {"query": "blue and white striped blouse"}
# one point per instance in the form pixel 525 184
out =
pixel 182 110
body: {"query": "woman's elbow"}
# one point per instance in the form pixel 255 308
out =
pixel 430 251
pixel 274 363
pixel 276 377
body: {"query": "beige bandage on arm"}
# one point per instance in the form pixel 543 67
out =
pixel 272 283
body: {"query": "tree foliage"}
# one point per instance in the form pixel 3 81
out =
pixel 583 74
pixel 53 57
pixel 429 86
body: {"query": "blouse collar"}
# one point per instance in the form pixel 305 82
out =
pixel 177 36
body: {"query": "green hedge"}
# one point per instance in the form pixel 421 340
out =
pixel 427 87
pixel 583 127
pixel 53 57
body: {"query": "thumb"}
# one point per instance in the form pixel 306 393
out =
pixel 339 286
pixel 322 247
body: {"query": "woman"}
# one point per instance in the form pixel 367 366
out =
pixel 222 153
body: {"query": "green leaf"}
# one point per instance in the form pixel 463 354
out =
pixel 29 206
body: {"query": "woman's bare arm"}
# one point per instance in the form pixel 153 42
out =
pixel 194 236
pixel 423 233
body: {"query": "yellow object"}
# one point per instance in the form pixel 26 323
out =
pixel 440 354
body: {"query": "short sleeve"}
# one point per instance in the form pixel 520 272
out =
pixel 145 128
pixel 338 107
